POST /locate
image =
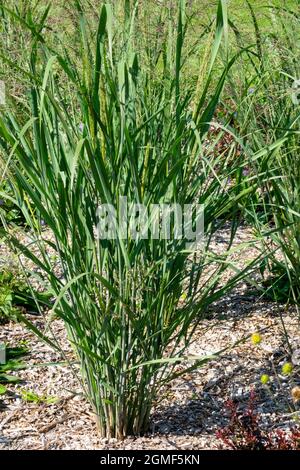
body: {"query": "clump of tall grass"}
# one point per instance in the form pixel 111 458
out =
pixel 278 219
pixel 120 134
pixel 267 117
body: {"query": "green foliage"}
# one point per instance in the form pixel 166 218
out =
pixel 16 295
pixel 122 133
pixel 6 309
pixel 32 397
pixel 126 113
pixel 7 208
pixel 12 363
pixel 267 119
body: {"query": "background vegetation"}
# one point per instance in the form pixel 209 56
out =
pixel 193 103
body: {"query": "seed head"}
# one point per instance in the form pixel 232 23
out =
pixel 265 378
pixel 256 338
pixel 287 368
pixel 296 394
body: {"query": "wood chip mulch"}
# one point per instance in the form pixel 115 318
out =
pixel 192 408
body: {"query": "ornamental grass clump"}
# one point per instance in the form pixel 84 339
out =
pixel 99 128
pixel 268 117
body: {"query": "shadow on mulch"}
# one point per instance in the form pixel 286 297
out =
pixel 207 413
pixel 188 419
pixel 242 303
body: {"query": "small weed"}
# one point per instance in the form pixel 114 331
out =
pixel 12 363
pixel 16 295
pixel 244 432
pixel 32 397
pixel 8 209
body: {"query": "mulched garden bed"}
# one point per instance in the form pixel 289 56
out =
pixel 193 406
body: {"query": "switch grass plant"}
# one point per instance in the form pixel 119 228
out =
pixel 278 225
pixel 269 119
pixel 118 132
